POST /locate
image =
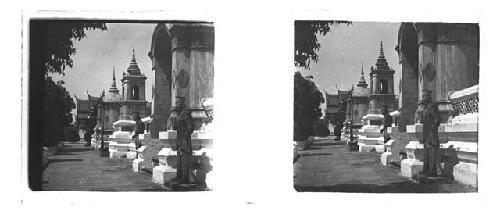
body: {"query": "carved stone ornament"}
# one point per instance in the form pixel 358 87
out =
pixel 183 79
pixel 429 72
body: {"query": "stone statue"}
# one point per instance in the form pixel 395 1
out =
pixel 183 123
pixel 428 114
pixel 138 129
pixel 387 123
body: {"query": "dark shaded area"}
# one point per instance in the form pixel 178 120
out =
pixel 37 46
pixel 85 170
pixel 315 154
pixel 64 160
pixel 397 187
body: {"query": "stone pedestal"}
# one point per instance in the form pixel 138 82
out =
pixel 121 145
pixel 370 139
pixel 201 160
pixel 465 173
pixel 138 163
pixel 163 174
pixel 410 168
pixel 385 158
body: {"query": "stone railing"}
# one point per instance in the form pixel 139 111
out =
pixel 465 101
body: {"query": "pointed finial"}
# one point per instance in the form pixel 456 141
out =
pixel 381 49
pixel 114 78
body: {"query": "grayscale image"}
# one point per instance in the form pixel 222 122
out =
pixel 120 105
pixel 386 107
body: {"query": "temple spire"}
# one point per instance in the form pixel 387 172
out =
pixel 133 68
pixel 381 61
pixel 113 85
pixel 362 81
pixel 382 50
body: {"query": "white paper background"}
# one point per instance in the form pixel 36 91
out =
pixel 253 90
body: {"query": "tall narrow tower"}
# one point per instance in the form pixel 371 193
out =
pixel 382 85
pixel 134 97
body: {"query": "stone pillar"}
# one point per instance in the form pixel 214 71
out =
pixel 376 89
pixel 448 60
pixel 161 57
pixel 409 93
pixel 457 62
pixel 192 65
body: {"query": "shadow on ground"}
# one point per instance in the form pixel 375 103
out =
pixel 397 187
pixel 64 160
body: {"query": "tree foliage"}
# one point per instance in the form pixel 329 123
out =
pixel 306 41
pixel 57 111
pixel 306 110
pixel 60 37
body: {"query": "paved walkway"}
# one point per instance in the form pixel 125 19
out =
pixel 328 166
pixel 79 168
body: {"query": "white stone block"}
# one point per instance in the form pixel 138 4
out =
pixel 140 151
pixel 137 165
pixel 465 173
pixel 380 148
pixel 131 155
pixel 163 174
pixel 366 148
pixel 385 158
pixel 169 134
pixel 114 154
pixel 388 144
pixel 410 168
pixel 209 180
pixel 144 136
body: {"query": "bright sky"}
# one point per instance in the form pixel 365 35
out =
pixel 101 50
pixel 345 47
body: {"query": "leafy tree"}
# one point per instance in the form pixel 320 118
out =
pixel 306 110
pixel 57 111
pixel 60 37
pixel 306 41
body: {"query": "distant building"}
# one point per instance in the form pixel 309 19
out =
pixel 381 86
pixel 358 100
pixel 361 100
pixel 85 113
pixel 114 106
pixel 335 106
pixel 110 105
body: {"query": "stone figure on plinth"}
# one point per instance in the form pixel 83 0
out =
pixel 138 129
pixel 387 123
pixel 428 115
pixel 183 123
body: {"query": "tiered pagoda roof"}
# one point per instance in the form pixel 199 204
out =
pixel 133 68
